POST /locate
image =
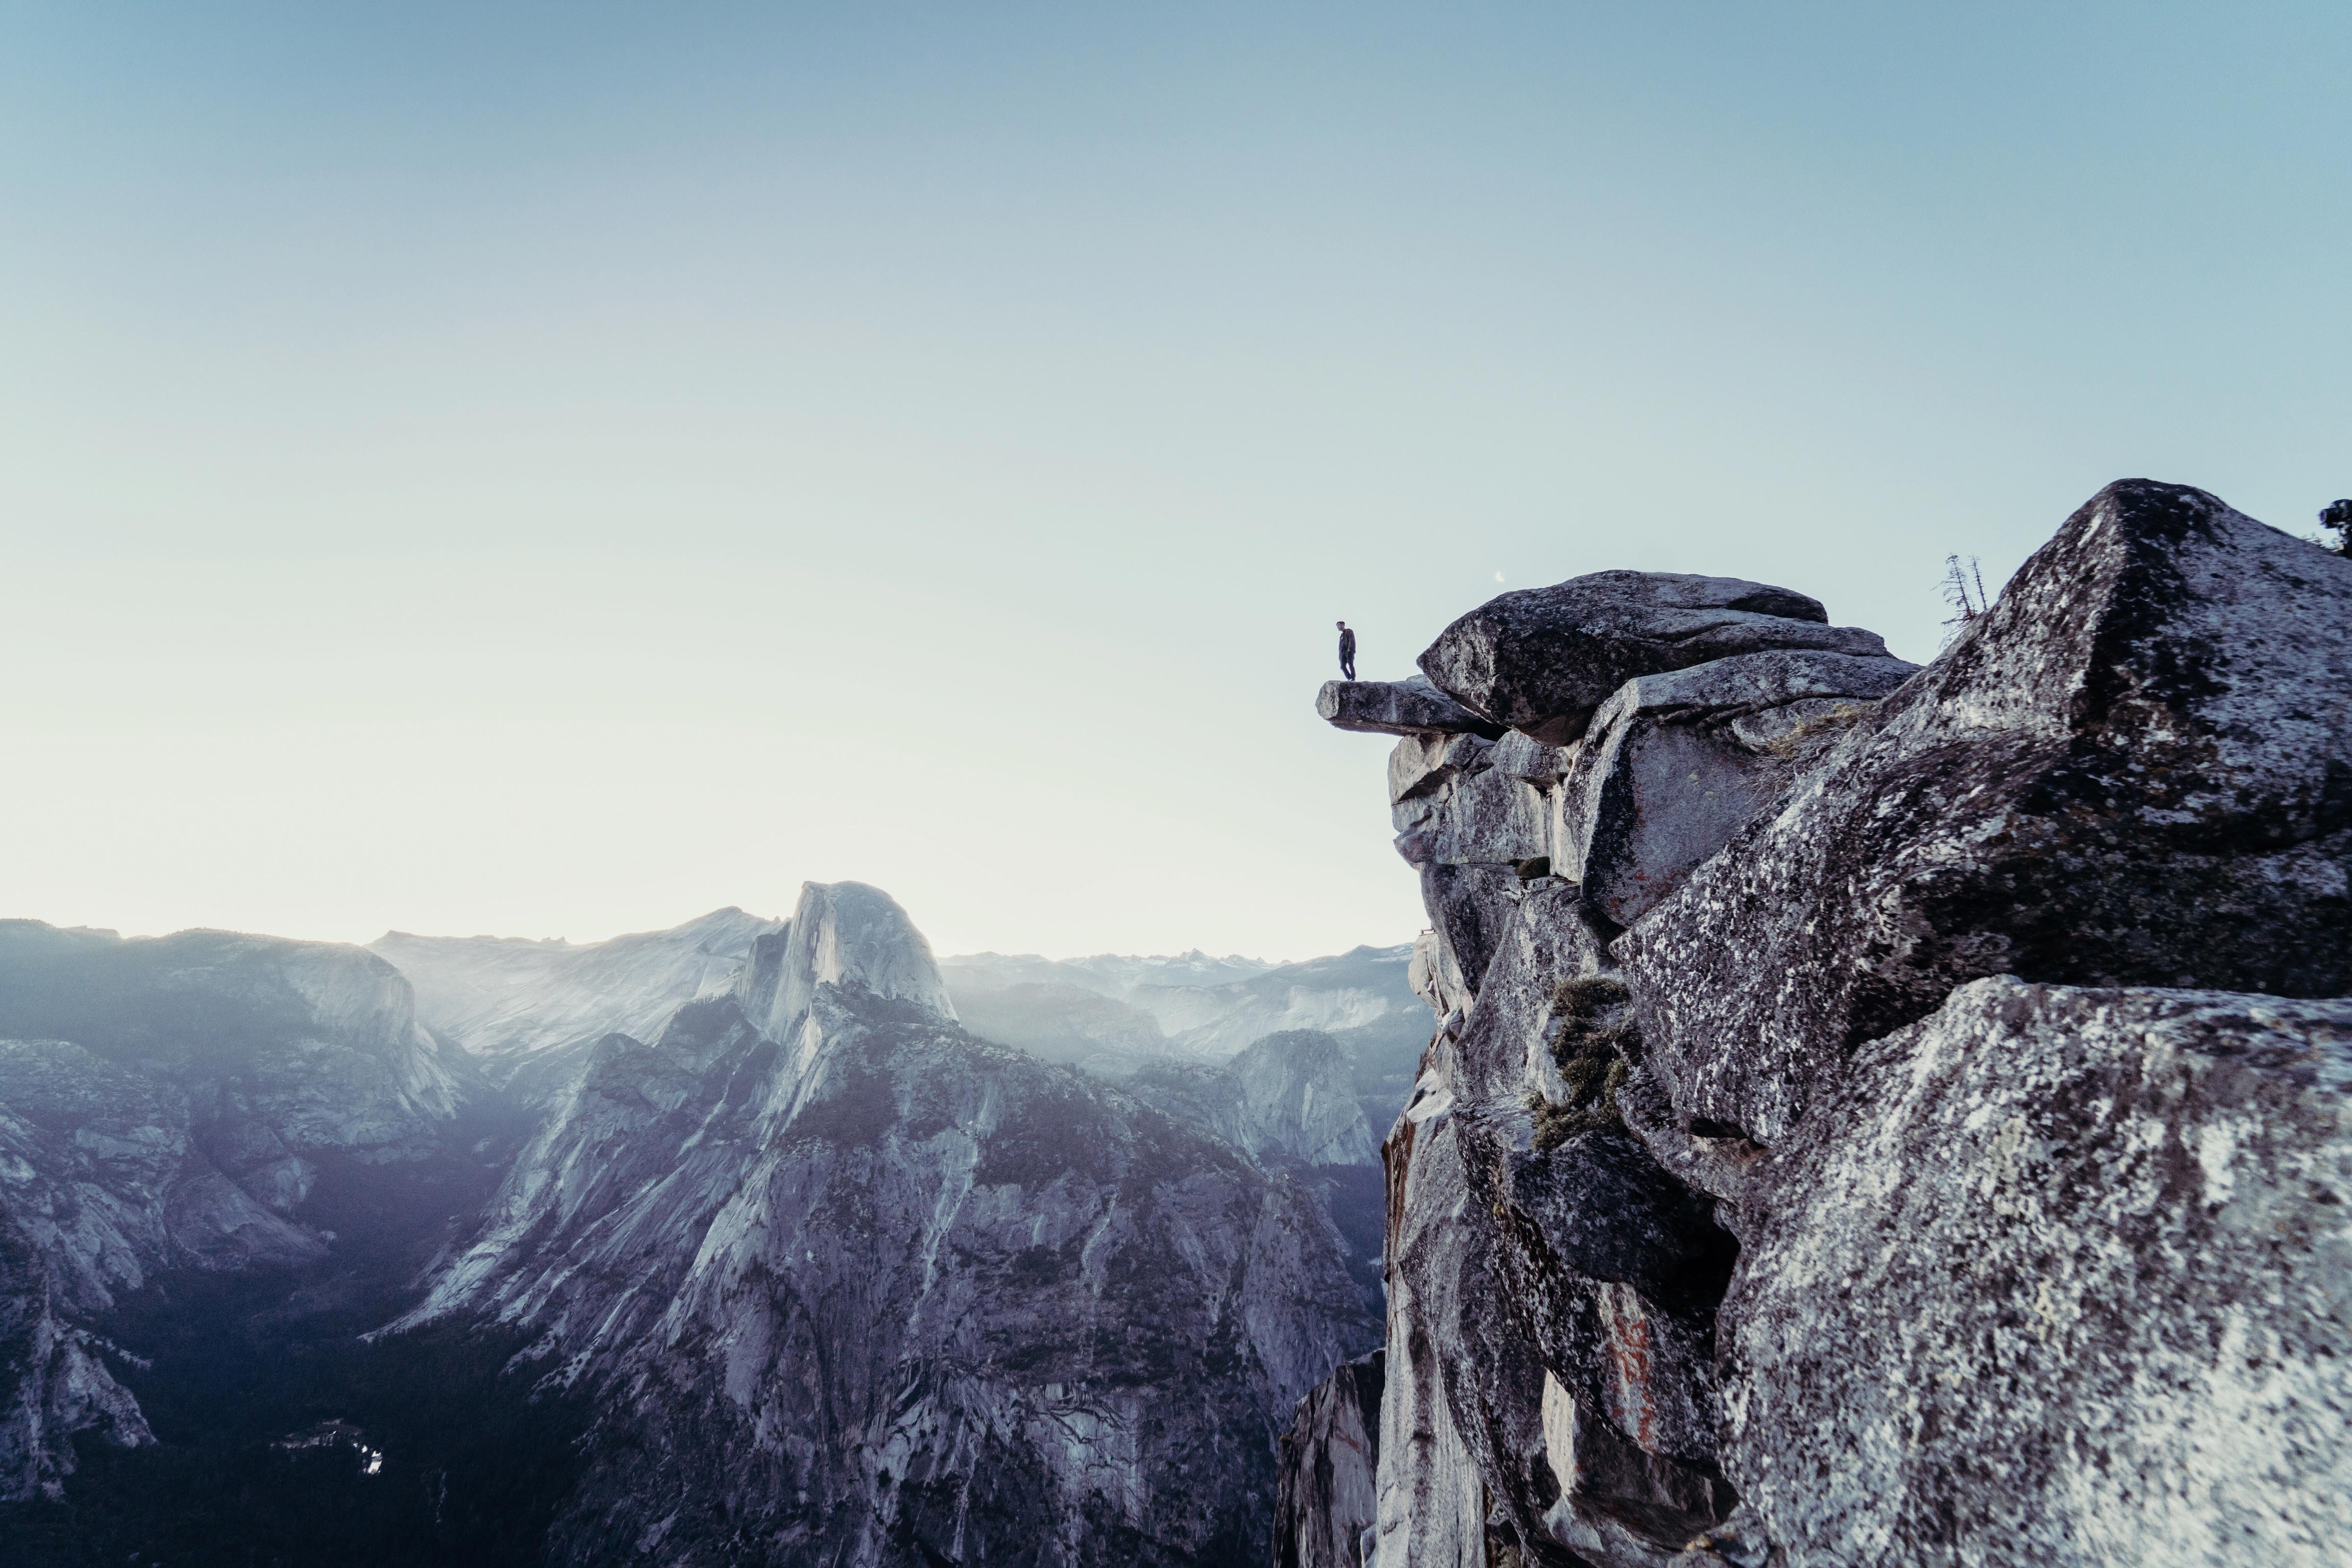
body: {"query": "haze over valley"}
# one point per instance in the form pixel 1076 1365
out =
pixel 223 1147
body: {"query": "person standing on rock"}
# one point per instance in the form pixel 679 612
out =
pixel 1347 651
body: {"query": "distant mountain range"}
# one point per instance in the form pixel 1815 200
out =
pixel 496 1250
pixel 507 999
pixel 523 1008
pixel 1117 1015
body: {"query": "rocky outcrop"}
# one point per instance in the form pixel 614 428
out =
pixel 847 1285
pixel 1410 707
pixel 2064 1269
pixel 1817 1159
pixel 1674 764
pixel 172 1103
pixel 1330 1462
pixel 1542 659
pixel 2136 770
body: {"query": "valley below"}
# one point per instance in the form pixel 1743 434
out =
pixel 1841 1111
pixel 723 1243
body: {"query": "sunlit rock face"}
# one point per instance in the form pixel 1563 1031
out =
pixel 513 1003
pixel 1541 661
pixel 851 1286
pixel 173 1103
pixel 1288 1097
pixel 1879 1116
pixel 845 934
pixel 1116 1016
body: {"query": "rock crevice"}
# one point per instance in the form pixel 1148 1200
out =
pixel 1878 1114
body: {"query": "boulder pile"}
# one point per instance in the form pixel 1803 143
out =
pixel 1876 1115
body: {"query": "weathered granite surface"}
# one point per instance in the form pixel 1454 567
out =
pixel 1673 765
pixel 1879 1116
pixel 2060 1276
pixel 1330 1462
pixel 2136 770
pixel 1541 659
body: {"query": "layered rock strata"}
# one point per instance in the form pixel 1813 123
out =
pixel 1879 1115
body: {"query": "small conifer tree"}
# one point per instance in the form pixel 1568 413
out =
pixel 2336 518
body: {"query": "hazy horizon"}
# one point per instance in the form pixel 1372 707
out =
pixel 943 955
pixel 556 472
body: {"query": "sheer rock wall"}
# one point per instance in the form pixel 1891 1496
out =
pixel 1879 1115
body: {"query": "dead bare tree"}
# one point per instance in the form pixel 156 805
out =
pixel 1964 590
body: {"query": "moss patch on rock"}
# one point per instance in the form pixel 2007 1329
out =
pixel 1597 1035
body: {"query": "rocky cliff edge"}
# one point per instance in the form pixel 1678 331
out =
pixel 1875 1116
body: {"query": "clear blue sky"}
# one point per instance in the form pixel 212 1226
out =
pixel 554 469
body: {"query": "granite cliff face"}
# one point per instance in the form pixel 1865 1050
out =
pixel 1875 1115
pixel 1287 1097
pixel 845 1284
pixel 512 1003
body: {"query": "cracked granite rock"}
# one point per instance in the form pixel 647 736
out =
pixel 1330 1462
pixel 1879 1116
pixel 1542 659
pixel 1672 766
pixel 2060 1276
pixel 2136 770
